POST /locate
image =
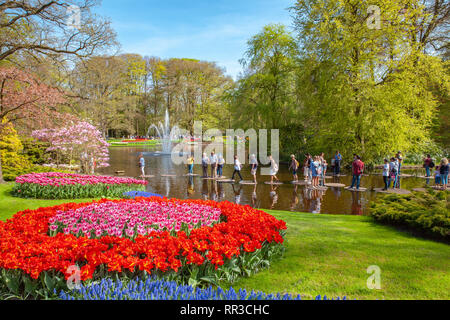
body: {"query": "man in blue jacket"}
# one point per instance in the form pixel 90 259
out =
pixel 337 163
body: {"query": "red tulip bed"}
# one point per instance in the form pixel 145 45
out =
pixel 193 242
pixel 55 185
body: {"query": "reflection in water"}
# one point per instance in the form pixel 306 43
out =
pixel 214 195
pixel 356 204
pixel 255 202
pixel 237 193
pixel 205 190
pixel 337 192
pixel 285 197
pixel 191 187
pixel 312 199
pixel 221 191
pixel 294 202
pixel 273 196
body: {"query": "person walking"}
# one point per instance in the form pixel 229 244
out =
pixel 337 163
pixel 306 166
pixel 437 177
pixel 190 164
pixel 273 170
pixel 205 161
pixel 400 162
pixel 322 169
pixel 393 172
pixel 443 170
pixel 310 161
pixel 142 165
pixel 213 161
pixel 220 164
pixel 324 172
pixel 397 181
pixel 386 173
pixel 294 167
pixel 237 168
pixel 427 164
pixel 253 167
pixel 315 172
pixel 357 171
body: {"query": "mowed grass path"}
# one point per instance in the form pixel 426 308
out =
pixel 329 255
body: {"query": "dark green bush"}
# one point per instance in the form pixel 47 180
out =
pixel 21 155
pixel 427 213
pixel 35 150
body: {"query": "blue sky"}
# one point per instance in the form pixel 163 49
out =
pixel 212 30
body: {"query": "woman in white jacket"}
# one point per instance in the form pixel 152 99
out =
pixel 273 170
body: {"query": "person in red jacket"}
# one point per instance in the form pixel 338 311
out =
pixel 357 171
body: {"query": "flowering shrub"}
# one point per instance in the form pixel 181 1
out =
pixel 32 262
pixel 79 141
pixel 131 219
pixel 54 185
pixel 153 289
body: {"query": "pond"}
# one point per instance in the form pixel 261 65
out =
pixel 285 197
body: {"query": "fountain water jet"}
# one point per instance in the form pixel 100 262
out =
pixel 165 133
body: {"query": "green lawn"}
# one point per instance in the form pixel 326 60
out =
pixel 9 205
pixel 134 144
pixel 329 255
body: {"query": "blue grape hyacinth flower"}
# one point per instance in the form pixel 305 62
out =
pixel 139 194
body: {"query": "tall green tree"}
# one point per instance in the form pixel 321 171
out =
pixel 264 96
pixel 42 30
pixel 363 80
pixel 190 89
pixel 101 82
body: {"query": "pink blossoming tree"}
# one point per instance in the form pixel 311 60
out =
pixel 23 97
pixel 80 141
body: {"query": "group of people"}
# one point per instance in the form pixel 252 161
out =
pixel 216 163
pixel 392 170
pixel 314 169
pixel 440 172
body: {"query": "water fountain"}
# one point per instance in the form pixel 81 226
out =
pixel 165 133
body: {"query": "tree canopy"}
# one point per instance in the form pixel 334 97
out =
pixel 366 77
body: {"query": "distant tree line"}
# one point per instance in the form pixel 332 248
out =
pixel 329 81
pixel 337 81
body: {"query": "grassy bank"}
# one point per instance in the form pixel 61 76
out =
pixel 330 255
pixel 134 144
pixel 9 205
